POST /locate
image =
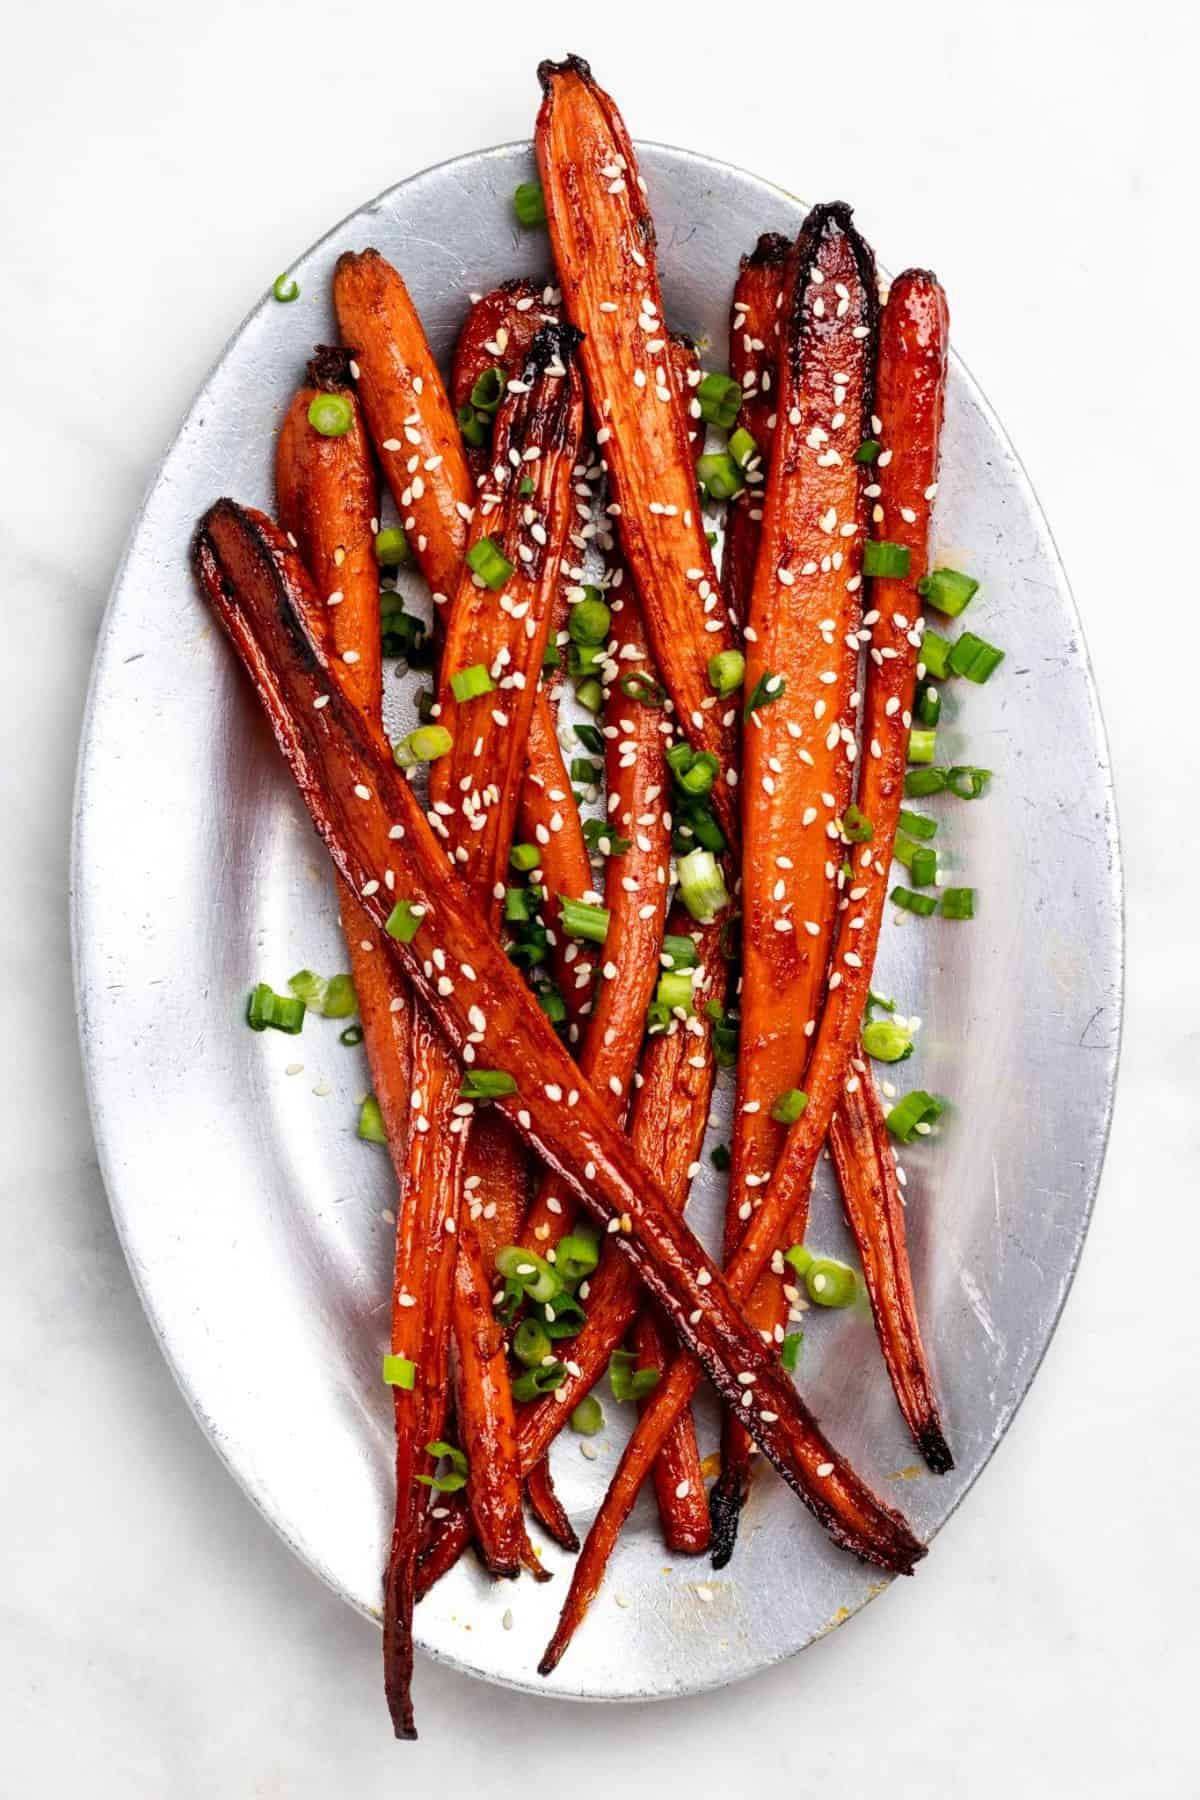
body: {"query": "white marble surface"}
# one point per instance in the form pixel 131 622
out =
pixel 159 164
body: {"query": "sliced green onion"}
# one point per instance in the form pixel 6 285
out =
pixel 935 655
pixel 311 989
pixel 590 738
pixel 563 1315
pixel 470 684
pixel 404 921
pixel 958 903
pixel 922 745
pixel 919 859
pixel 867 451
pixel 874 1000
pixel 626 1380
pixel 914 1116
pixel 524 857
pixel 966 782
pixel 424 745
pixel 917 824
pixel 370 1121
pixel 391 547
pixel 921 904
pixel 787 1107
pixel 929 704
pixel 600 837
pixel 767 688
pixel 694 770
pixel 456 1478
pixel 799 1258
pixel 488 391
pixel 489 562
pixel 473 426
pixel 330 414
pixel 702 885
pixel 719 1157
pixel 856 827
pixel 526 486
pixel 283 1012
pixel 726 672
pixel 742 447
pixel 720 400
pixel 285 289
pixel 352 1035
pixel 719 476
pixel 920 782
pixel 674 991
pixel 487 1084
pixel 638 685
pixel 589 621
pixel 576 1255
pixel 531 1384
pixel 694 822
pixel 531 1343
pixel 947 591
pixel 399 1371
pixel 882 558
pixel 529 203
pixel 974 657
pixel 588 1417
pixel 789 1351
pixel 581 919
pixel 886 1041
pixel 585 771
pixel 590 694
pixel 679 952
pixel 521 904
pixel 534 1273
pixel 830 1283
pixel 551 1002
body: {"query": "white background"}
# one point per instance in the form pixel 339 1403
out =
pixel 160 164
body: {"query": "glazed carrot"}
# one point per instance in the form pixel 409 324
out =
pixel 602 237
pixel 911 388
pixel 802 623
pixel 370 821
pixel 635 897
pixel 549 819
pixel 678 1477
pixel 548 1508
pixel 497 334
pixel 866 1169
pixel 328 502
pixel 753 356
pixel 496 634
pixel 406 404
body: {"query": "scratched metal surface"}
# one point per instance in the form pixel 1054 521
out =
pixel 254 1221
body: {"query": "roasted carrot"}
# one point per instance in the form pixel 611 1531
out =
pixel 328 502
pixel 753 355
pixel 549 819
pixel 635 896
pixel 802 654
pixel 602 236
pixel 496 335
pixel 497 639
pixel 551 1515
pixel 866 1170
pixel 359 804
pixel 911 392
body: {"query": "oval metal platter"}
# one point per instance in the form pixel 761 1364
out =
pixel 257 1226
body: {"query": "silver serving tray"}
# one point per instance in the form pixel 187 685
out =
pixel 257 1227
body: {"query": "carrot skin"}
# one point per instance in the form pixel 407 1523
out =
pixel 549 818
pixel 866 1169
pixel 248 575
pixel 753 346
pixel 803 616
pixel 602 236
pixel 551 1514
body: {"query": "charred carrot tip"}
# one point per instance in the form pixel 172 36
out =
pixel 570 65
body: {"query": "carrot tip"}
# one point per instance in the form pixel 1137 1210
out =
pixel 725 1503
pixel 934 1448
pixel 570 65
